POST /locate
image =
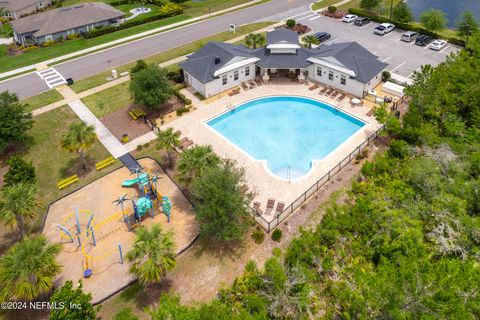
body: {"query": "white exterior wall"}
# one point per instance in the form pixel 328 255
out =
pixel 351 86
pixel 194 83
pixel 215 87
pixel 283 50
pixel 374 82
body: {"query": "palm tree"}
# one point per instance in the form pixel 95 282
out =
pixel 28 269
pixel 254 40
pixel 79 138
pixel 168 141
pixel 152 255
pixel 193 161
pixel 18 206
pixel 309 40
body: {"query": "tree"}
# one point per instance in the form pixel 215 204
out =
pixel 79 138
pixel 139 66
pixel 467 24
pixel 254 40
pixel 69 296
pixel 168 140
pixel 18 206
pixel 291 23
pixel 19 171
pixel 125 314
pixel 150 87
pixel 369 4
pixel 15 120
pixel 222 201
pixel 28 269
pixel 433 20
pixel 309 40
pixel 152 255
pixel 194 161
pixel 402 13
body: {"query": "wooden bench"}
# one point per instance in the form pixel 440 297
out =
pixel 105 163
pixel 65 183
pixel 134 117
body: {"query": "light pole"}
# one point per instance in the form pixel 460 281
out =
pixel 391 9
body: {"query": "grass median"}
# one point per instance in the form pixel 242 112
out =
pixel 42 99
pixel 99 79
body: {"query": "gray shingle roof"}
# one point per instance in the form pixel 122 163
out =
pixel 62 19
pixel 285 60
pixel 354 57
pixel 282 35
pixel 15 5
pixel 201 64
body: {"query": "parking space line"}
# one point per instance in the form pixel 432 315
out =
pixel 401 64
pixel 297 15
pixel 315 18
pixel 441 51
pixel 330 41
pixel 385 60
pixel 309 16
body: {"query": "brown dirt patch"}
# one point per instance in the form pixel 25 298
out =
pixel 108 273
pixel 120 122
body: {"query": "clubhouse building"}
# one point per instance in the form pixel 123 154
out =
pixel 219 66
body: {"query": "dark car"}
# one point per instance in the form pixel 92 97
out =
pixel 322 36
pixel 423 40
pixel 361 21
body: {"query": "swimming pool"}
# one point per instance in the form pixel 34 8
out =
pixel 288 132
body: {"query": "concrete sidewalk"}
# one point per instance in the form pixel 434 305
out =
pixel 131 38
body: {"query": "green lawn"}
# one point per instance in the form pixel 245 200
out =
pixel 108 101
pixel 99 79
pixel 54 164
pixel 42 99
pixel 323 4
pixel 192 9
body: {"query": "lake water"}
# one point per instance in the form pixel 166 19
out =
pixel 452 8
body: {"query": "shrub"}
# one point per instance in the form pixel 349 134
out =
pixel 176 76
pixel 146 145
pixel 258 236
pixel 277 235
pixel 72 36
pixel 367 169
pixel 181 111
pixel 182 98
pixel 332 9
pixel 398 149
pixel 139 147
pixel 200 96
pixel 386 76
pixel 48 43
pixel 19 171
pixel 291 23
pixel 171 8
pixel 362 155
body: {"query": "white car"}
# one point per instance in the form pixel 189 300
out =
pixel 438 44
pixel 349 18
pixel 384 28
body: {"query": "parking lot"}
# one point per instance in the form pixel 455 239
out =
pixel 403 57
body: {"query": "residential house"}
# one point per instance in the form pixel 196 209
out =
pixel 15 9
pixel 58 23
pixel 220 66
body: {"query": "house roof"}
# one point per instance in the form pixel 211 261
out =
pixel 282 36
pixel 283 60
pixel 61 19
pixel 351 56
pixel 202 65
pixel 16 5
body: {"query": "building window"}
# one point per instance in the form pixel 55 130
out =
pixel 48 37
pixel 247 71
pixel 330 75
pixel 224 80
pixel 343 80
pixel 319 71
pixel 235 75
pixel 71 31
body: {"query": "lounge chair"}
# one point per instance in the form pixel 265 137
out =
pixel 186 144
pixel 335 94
pixel 315 86
pixel 252 84
pixel 245 86
pixel 258 81
pixel 329 92
pixel 270 205
pixel 280 208
pixel 256 208
pixel 323 90
pixel 342 96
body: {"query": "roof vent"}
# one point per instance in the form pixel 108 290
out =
pixel 217 60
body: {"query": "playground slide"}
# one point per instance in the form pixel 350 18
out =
pixel 132 182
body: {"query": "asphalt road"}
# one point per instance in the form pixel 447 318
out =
pixel 403 58
pixel 31 84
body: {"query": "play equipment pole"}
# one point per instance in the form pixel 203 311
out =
pixel 66 231
pixel 89 222
pixel 120 252
pixel 79 240
pixel 93 236
pixel 77 223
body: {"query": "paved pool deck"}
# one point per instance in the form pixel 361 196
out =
pixel 258 177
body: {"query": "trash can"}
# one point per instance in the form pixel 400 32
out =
pixel 69 81
pixel 125 138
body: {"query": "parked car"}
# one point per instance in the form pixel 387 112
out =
pixel 409 36
pixel 361 21
pixel 349 18
pixel 384 28
pixel 322 36
pixel 423 40
pixel 438 44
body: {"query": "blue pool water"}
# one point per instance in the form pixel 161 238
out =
pixel 288 132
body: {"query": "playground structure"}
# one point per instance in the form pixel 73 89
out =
pixel 84 235
pixel 147 189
